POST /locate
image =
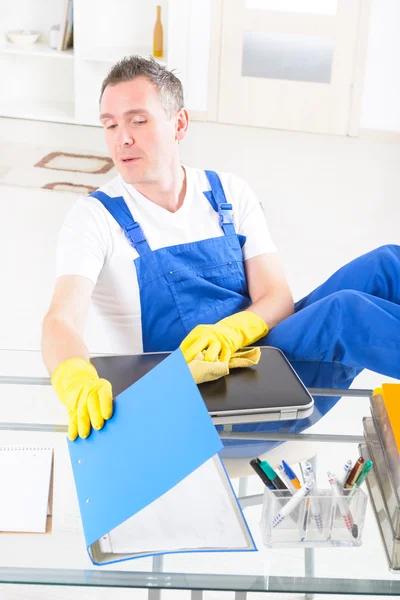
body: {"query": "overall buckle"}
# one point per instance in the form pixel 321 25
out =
pixel 134 233
pixel 225 213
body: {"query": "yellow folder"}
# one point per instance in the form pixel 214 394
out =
pixel 391 398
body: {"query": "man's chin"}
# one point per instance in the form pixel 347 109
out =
pixel 133 178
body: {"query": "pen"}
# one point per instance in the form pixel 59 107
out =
pixel 255 463
pixel 291 505
pixel 270 473
pixel 346 471
pixel 283 475
pixel 292 475
pixel 316 512
pixel 343 505
pixel 362 477
pixel 354 473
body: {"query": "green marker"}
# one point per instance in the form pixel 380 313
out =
pixel 362 476
pixel 272 476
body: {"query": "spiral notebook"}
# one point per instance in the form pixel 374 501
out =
pixel 25 480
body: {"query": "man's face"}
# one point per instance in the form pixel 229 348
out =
pixel 140 137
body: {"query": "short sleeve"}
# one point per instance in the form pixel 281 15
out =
pixel 249 216
pixel 84 242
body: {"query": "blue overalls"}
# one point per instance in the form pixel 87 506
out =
pixel 350 322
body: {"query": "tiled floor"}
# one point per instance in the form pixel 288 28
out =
pixel 327 199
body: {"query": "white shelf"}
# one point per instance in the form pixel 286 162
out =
pixel 114 54
pixel 38 49
pixel 35 109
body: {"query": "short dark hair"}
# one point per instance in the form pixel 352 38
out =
pixel 169 86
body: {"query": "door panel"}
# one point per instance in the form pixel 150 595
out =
pixel 288 70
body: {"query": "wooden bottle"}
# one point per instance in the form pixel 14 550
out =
pixel 158 36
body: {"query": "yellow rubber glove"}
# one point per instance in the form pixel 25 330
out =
pixel 221 340
pixel 87 398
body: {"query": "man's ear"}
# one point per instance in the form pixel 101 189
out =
pixel 182 124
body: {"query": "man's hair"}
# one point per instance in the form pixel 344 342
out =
pixel 168 85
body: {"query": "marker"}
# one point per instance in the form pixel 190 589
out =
pixel 362 477
pixel 270 473
pixel 255 463
pixel 343 505
pixel 291 505
pixel 354 473
pixel 292 475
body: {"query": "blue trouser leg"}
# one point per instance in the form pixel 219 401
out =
pixel 350 322
pixel 376 273
pixel 352 319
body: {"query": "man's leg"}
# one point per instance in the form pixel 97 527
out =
pixel 343 326
pixel 376 273
pixel 355 329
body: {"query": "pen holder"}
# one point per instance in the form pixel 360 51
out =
pixel 320 519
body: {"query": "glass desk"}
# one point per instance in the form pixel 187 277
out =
pixel 32 416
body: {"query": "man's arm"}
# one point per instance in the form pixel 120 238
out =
pixel 269 291
pixel 64 323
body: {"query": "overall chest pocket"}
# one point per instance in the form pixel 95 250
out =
pixel 208 294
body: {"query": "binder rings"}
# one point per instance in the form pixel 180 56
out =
pixel 151 481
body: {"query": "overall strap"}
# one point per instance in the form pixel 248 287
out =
pixel 118 208
pixel 217 199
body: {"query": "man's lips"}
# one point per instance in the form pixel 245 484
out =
pixel 129 159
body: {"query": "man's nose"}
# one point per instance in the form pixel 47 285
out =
pixel 125 138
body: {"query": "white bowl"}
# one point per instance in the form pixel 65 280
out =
pixel 23 37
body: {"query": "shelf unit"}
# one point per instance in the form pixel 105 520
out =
pixel 39 49
pixel 49 85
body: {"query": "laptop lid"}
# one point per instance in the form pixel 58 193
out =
pixel 270 386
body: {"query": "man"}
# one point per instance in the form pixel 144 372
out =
pixel 178 256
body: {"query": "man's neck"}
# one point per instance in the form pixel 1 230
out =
pixel 168 193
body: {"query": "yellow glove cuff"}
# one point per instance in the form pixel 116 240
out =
pixel 251 326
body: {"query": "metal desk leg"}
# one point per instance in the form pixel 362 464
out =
pixel 196 595
pixel 240 595
pixel 309 566
pixel 155 594
pixel 243 485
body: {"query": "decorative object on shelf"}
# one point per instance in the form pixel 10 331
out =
pixel 158 36
pixel 23 37
pixel 54 36
pixel 65 40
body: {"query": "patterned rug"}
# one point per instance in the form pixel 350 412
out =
pixel 67 171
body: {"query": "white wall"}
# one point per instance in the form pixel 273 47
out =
pixel 381 99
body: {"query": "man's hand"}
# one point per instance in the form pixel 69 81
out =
pixel 87 398
pixel 223 339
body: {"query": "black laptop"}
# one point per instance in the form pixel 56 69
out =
pixel 269 391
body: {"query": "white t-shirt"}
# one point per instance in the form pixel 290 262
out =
pixel 93 245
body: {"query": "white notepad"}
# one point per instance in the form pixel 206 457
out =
pixel 25 473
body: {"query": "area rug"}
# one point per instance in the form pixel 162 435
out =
pixel 59 170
